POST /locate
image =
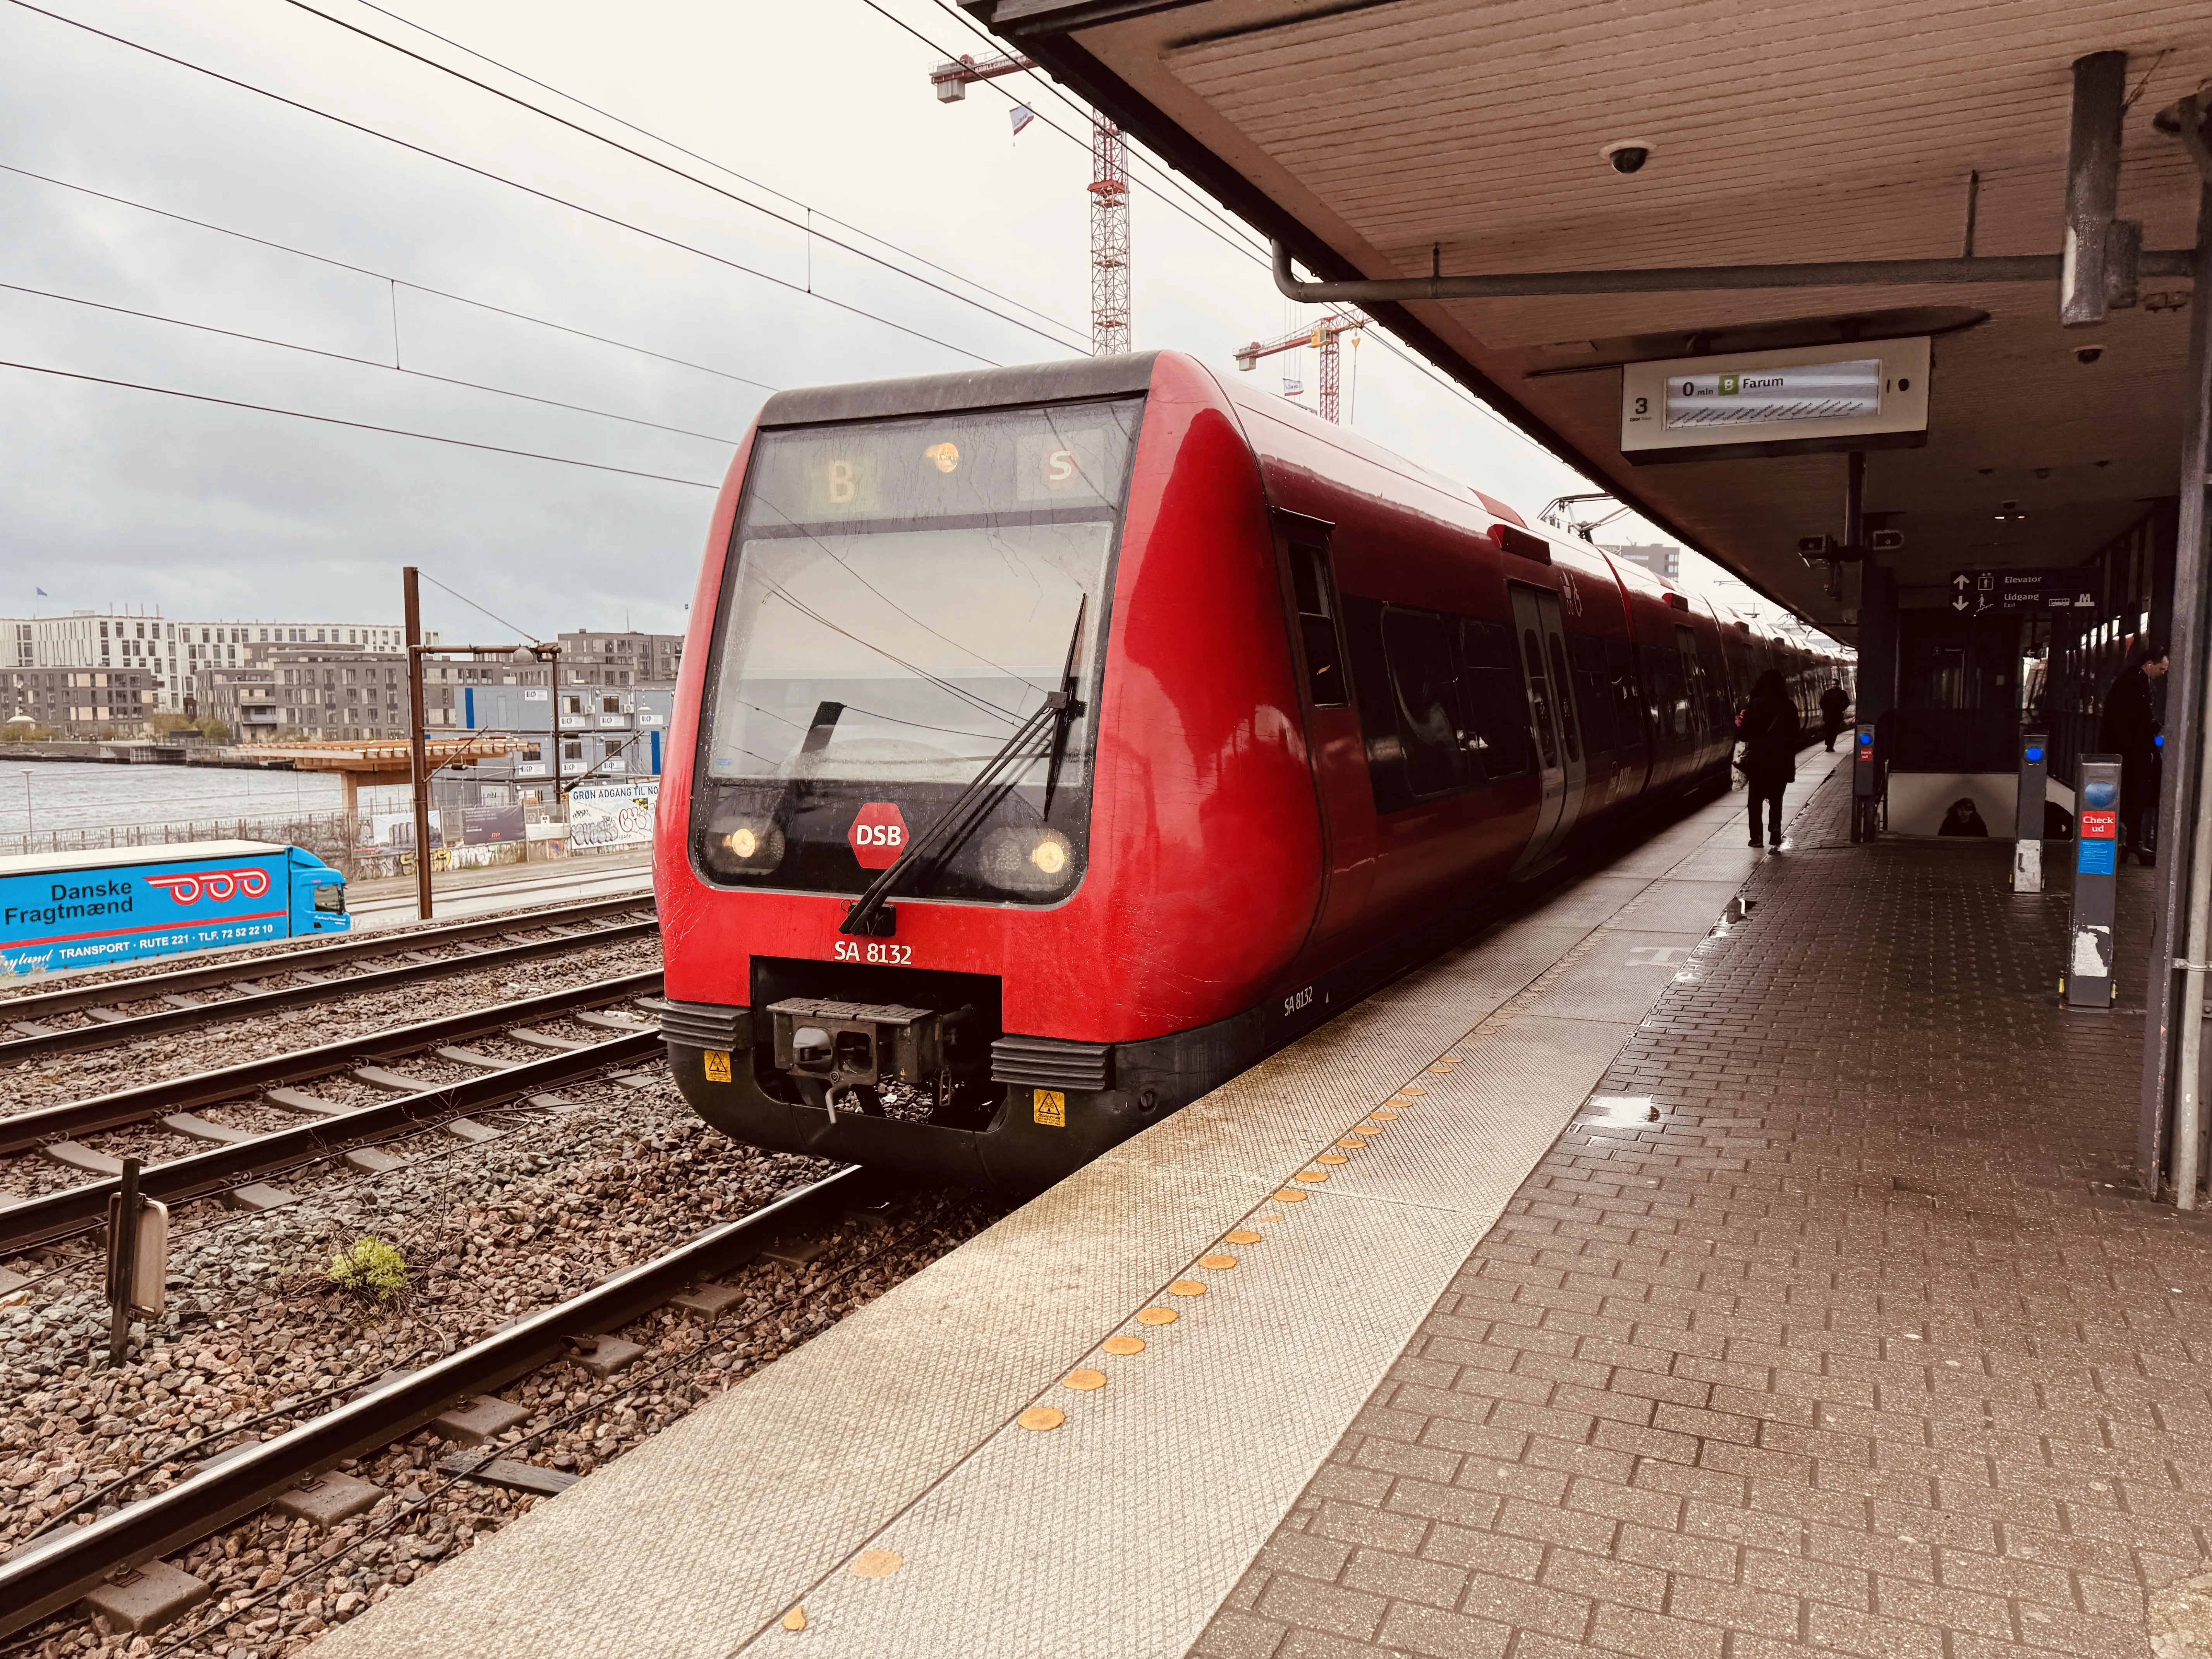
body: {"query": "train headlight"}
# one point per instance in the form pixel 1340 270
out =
pixel 751 847
pixel 1035 860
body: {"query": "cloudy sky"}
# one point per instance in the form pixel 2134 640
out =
pixel 474 273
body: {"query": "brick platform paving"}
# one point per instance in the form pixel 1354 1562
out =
pixel 1867 1345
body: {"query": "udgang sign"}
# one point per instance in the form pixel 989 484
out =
pixel 604 814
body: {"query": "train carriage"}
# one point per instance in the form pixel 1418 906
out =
pixel 1054 743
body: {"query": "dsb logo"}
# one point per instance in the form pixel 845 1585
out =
pixel 878 835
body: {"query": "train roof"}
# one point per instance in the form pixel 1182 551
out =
pixel 120 857
pixel 1073 380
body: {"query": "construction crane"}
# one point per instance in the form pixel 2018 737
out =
pixel 1322 337
pixel 1109 201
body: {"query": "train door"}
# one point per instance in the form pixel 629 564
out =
pixel 1340 753
pixel 1543 647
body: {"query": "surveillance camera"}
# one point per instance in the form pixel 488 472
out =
pixel 1627 156
pixel 2089 354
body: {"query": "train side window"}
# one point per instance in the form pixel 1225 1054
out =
pixel 1627 691
pixel 1418 647
pixel 1497 702
pixel 1566 704
pixel 1319 637
pixel 1691 721
pixel 1594 694
pixel 1539 695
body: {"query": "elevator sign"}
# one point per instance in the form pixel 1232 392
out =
pixel 1775 402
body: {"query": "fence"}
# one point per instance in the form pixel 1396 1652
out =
pixel 343 840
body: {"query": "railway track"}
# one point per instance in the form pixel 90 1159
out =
pixel 65 1565
pixel 54 1570
pixel 236 1158
pixel 301 978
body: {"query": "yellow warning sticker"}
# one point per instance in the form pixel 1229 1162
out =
pixel 718 1064
pixel 1051 1109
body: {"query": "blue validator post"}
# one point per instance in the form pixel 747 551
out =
pixel 1866 783
pixel 2027 814
pixel 2086 982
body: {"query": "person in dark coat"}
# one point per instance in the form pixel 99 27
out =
pixel 1964 818
pixel 1833 702
pixel 1768 728
pixel 2130 729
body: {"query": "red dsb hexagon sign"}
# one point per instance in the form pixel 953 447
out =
pixel 878 835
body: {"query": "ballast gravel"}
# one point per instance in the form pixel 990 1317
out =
pixel 488 1230
pixel 50 1079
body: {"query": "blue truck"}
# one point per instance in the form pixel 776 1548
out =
pixel 65 910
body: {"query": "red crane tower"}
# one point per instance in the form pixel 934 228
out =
pixel 1322 337
pixel 1109 201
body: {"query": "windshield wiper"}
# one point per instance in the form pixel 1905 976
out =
pixel 976 803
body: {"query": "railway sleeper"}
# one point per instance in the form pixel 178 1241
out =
pixel 94 1565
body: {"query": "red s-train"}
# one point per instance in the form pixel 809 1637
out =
pixel 1053 743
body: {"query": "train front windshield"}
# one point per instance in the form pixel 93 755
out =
pixel 901 597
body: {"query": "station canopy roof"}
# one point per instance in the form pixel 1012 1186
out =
pixel 1392 138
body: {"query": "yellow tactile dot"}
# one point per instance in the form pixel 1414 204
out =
pixel 1311 1175
pixel 1399 1099
pixel 1125 1345
pixel 1242 1235
pixel 1351 1142
pixel 1188 1287
pixel 795 1620
pixel 1286 1196
pixel 1219 1264
pixel 1083 1382
pixel 1157 1316
pixel 1037 1420
pixel 1369 1127
pixel 877 1564
pixel 1384 1112
pixel 1332 1159
pixel 1410 1089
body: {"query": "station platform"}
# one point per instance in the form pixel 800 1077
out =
pixel 1829 1322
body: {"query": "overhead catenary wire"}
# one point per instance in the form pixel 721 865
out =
pixel 367 362
pixel 654 160
pixel 720 166
pixel 501 179
pixel 386 277
pixel 1169 188
pixel 1230 228
pixel 1165 199
pixel 359 426
pixel 479 610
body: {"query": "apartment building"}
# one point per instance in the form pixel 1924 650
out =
pixel 171 652
pixel 80 703
pixel 619 659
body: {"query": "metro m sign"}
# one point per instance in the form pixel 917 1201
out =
pixel 878 835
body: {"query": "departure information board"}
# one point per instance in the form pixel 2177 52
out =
pixel 1773 402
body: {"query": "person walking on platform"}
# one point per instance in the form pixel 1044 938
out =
pixel 2129 728
pixel 1768 727
pixel 1834 703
